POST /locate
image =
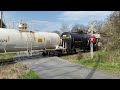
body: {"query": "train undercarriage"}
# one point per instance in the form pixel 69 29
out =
pixel 66 48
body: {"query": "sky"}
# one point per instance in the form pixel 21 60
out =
pixel 51 20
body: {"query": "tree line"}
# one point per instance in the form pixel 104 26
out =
pixel 110 27
pixel 80 28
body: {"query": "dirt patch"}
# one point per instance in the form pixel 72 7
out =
pixel 13 71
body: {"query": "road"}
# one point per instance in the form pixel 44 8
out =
pixel 57 68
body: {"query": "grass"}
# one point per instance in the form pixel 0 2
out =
pixel 17 71
pixel 103 60
pixel 6 57
pixel 30 75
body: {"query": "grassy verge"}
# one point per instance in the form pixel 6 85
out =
pixel 6 57
pixel 103 60
pixel 17 71
pixel 30 75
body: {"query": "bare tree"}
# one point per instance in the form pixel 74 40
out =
pixel 80 28
pixel 64 28
pixel 58 32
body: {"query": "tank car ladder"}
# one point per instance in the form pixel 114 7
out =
pixel 4 48
pixel 31 43
pixel 29 40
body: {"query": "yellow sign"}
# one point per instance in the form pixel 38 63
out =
pixel 39 39
pixel 64 35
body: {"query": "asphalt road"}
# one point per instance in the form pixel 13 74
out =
pixel 57 68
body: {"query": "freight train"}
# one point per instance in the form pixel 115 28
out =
pixel 12 40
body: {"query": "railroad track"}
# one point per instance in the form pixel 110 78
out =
pixel 18 58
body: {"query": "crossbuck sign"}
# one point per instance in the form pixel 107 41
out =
pixel 92 38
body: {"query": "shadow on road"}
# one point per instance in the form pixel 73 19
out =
pixel 90 75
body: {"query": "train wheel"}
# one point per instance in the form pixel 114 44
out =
pixel 84 49
pixel 44 54
pixel 74 51
pixel 51 53
pixel 68 52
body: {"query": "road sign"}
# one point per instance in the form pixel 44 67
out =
pixel 92 39
pixel 91 45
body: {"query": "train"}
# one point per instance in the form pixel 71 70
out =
pixel 13 40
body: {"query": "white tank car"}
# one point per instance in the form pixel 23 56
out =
pixel 13 40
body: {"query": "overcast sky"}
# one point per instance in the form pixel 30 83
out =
pixel 52 20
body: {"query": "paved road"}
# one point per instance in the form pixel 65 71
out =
pixel 57 68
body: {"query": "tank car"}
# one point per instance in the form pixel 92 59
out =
pixel 12 40
pixel 73 40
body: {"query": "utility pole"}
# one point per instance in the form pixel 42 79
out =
pixel 1 18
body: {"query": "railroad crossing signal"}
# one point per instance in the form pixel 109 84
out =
pixel 91 45
pixel 92 28
pixel 91 38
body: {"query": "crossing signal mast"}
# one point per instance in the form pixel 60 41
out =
pixel 92 38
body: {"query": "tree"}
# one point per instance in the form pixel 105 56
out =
pixel 64 28
pixel 58 32
pixel 115 21
pixel 112 28
pixel 75 28
pixel 79 28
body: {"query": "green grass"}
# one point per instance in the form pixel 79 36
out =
pixel 6 57
pixel 30 75
pixel 104 66
pixel 103 60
